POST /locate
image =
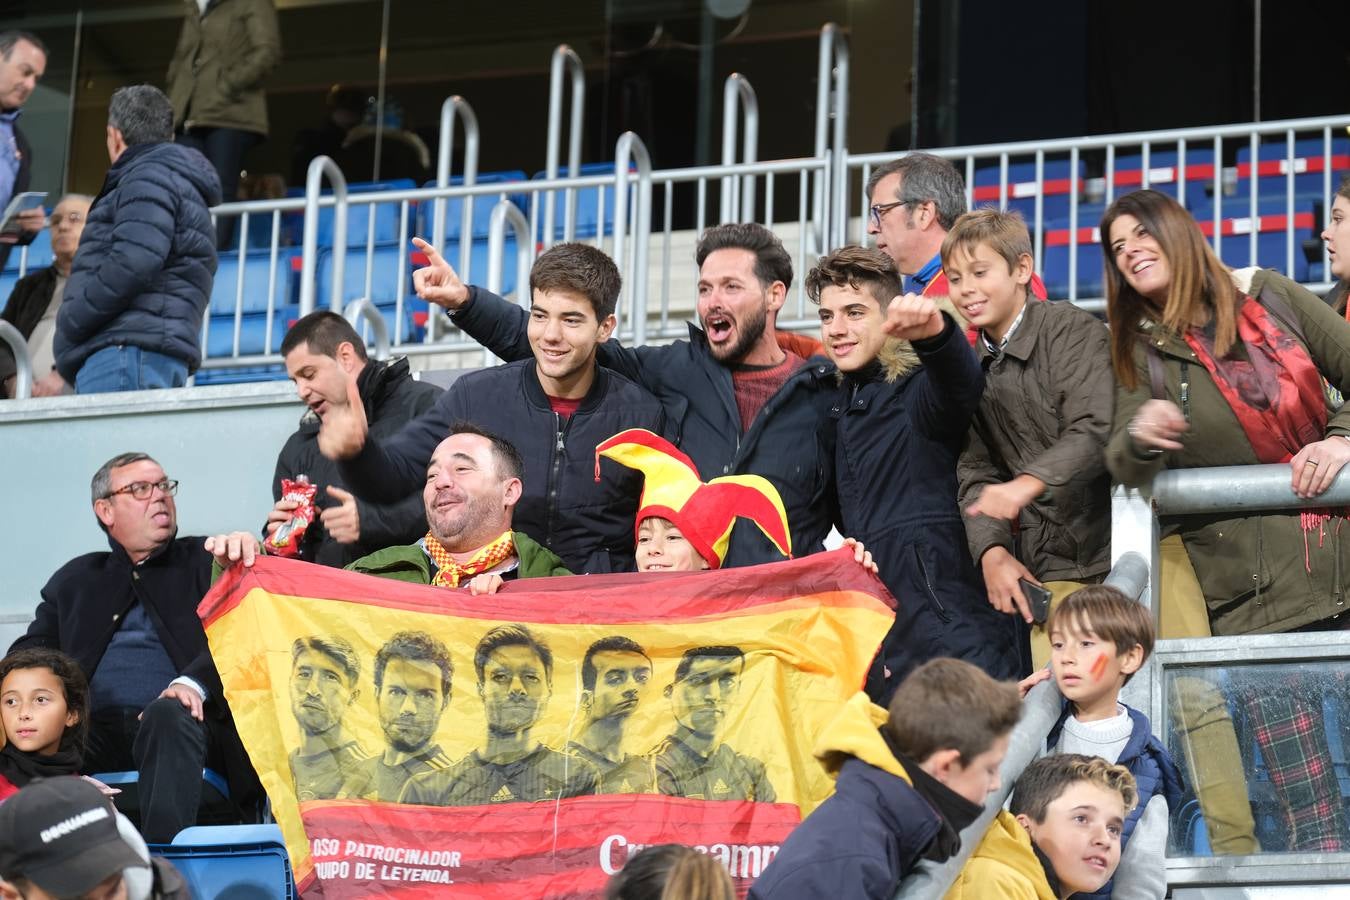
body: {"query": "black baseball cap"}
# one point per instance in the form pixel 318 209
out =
pixel 61 834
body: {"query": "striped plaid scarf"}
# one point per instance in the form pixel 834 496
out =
pixel 450 573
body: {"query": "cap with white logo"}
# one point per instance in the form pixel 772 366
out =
pixel 61 834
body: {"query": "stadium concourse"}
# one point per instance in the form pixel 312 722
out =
pixel 1259 193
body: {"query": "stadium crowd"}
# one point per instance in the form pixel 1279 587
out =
pixel 961 430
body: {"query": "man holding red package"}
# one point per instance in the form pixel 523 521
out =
pixel 315 517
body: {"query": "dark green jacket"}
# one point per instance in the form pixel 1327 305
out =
pixel 1251 568
pixel 216 74
pixel 1046 412
pixel 409 562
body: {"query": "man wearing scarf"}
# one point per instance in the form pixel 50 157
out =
pixel 473 484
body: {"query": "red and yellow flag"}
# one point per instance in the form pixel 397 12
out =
pixel 421 742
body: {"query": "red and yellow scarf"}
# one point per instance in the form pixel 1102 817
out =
pixel 450 573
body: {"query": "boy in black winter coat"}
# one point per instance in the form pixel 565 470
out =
pixel 910 385
pixel 908 782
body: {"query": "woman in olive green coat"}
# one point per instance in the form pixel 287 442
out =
pixel 1223 368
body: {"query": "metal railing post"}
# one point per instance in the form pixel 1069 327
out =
pixel 630 147
pixel 564 57
pixel 318 168
pixel 738 93
pixel 362 308
pixel 831 101
pixel 454 107
pixel 503 214
pixel 23 363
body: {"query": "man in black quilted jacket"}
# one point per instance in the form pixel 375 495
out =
pixel 132 314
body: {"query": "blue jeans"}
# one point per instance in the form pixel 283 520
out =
pixel 125 368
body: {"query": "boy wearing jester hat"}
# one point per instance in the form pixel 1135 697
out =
pixel 684 525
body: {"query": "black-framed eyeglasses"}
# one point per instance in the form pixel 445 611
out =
pixel 877 210
pixel 142 490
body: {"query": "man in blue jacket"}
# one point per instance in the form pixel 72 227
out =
pixel 741 397
pixel 555 404
pixel 132 314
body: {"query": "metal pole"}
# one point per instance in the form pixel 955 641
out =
pixel 318 168
pixel 564 57
pixel 1238 489
pixel 379 94
pixel 23 363
pixel 1256 70
pixel 738 92
pixel 824 65
pixel 840 202
pixel 74 86
pixel 630 147
pixel 362 308
pixel 454 106
pixel 504 213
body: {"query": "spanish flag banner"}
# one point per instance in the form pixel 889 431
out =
pixel 421 742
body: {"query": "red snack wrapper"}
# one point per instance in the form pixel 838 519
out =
pixel 285 541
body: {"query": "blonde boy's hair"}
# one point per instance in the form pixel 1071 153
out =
pixel 1106 612
pixel 1046 779
pixel 1003 232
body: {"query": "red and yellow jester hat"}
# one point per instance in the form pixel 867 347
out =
pixel 704 513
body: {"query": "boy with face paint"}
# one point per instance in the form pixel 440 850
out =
pixel 1099 639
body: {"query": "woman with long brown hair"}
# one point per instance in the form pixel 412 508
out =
pixel 1217 367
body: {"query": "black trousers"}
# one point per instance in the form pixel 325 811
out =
pixel 225 148
pixel 168 748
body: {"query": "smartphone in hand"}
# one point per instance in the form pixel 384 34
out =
pixel 1038 598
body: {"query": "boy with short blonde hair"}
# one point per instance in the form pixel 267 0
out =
pixel 1099 639
pixel 1033 477
pixel 1059 837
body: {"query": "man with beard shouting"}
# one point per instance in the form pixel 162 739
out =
pixel 515 681
pixel 742 396
pixel 412 690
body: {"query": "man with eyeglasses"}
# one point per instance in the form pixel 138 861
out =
pixel 37 296
pixel 128 616
pixel 914 201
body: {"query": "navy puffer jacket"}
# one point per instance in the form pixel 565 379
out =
pixel 147 258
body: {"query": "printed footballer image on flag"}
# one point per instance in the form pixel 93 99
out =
pixel 422 742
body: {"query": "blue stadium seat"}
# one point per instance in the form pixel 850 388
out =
pixel 257 266
pixel 1054 266
pixel 1309 167
pixel 1163 174
pixel 1235 248
pixel 482 206
pixel 239 375
pixel 1022 188
pixel 358 215
pixel 232 862
pixel 590 218
pixel 39 253
pixel 252 332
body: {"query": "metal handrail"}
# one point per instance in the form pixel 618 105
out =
pixel 453 108
pixel 832 71
pixel 318 168
pixel 362 308
pixel 503 214
pixel 564 57
pixel 630 147
pixel 1238 489
pixel 738 93
pixel 23 363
